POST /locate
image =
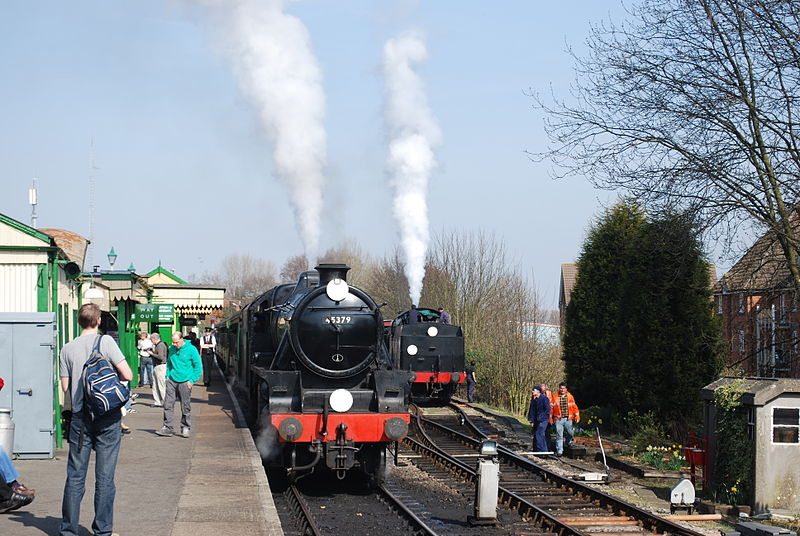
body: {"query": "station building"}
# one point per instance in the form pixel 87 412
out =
pixel 43 284
pixel 770 453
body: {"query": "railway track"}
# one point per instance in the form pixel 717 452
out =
pixel 326 512
pixel 553 502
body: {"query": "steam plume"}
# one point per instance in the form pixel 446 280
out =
pixel 277 71
pixel 414 133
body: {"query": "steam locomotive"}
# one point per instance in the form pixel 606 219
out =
pixel 312 363
pixel 433 351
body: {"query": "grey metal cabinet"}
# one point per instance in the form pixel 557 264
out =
pixel 28 368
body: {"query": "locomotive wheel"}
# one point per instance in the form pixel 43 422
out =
pixel 446 393
pixel 373 464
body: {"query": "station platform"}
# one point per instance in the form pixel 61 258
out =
pixel 210 484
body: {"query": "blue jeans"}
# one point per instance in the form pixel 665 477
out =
pixel 561 425
pixel 103 436
pixel 146 376
pixel 8 473
pixel 539 439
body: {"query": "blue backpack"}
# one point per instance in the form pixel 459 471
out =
pixel 103 391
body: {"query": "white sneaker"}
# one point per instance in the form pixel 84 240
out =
pixel 185 431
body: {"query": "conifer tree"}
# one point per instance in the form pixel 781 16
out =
pixel 640 332
pixel 591 339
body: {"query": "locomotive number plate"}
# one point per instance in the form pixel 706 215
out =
pixel 338 319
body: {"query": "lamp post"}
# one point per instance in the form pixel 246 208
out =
pixel 112 257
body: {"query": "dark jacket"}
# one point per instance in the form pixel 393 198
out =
pixel 539 410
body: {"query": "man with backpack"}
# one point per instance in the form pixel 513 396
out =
pixel 90 430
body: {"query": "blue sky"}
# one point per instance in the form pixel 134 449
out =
pixel 184 172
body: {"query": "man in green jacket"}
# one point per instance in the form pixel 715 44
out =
pixel 183 370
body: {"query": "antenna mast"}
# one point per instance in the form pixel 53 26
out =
pixel 92 169
pixel 33 201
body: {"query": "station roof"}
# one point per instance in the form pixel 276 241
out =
pixel 755 391
pixel 72 244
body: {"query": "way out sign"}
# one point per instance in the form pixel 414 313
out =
pixel 163 313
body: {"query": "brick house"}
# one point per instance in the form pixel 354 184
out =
pixel 759 309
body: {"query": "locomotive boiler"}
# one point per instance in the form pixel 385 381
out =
pixel 318 376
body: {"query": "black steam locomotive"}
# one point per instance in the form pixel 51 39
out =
pixel 317 376
pixel 433 351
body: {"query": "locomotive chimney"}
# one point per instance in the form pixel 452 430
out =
pixel 327 272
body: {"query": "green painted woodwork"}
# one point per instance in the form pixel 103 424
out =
pixel 41 288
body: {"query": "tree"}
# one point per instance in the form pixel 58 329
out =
pixel 243 276
pixel 351 254
pixel 595 316
pixel 470 276
pixel 692 106
pixel 672 331
pixel 641 314
pixel 387 283
pixel 293 267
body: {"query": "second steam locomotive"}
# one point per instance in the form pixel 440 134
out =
pixel 432 350
pixel 318 378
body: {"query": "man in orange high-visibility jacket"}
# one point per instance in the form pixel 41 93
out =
pixel 563 412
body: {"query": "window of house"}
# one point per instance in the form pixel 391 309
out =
pixel 786 425
pixel 719 304
pixel 741 341
pixel 751 423
pixel 782 308
pixel 741 304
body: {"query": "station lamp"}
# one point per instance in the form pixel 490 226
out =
pixel 93 293
pixel 112 257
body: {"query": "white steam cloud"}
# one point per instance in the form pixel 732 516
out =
pixel 414 133
pixel 277 71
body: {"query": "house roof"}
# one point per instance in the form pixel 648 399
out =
pixel 569 274
pixel 755 391
pixel 762 268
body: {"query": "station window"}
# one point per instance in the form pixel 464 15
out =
pixel 741 341
pixel 786 425
pixel 719 304
pixel 751 423
pixel 741 304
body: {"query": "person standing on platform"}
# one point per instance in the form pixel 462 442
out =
pixel 539 417
pixel 444 316
pixel 103 434
pixel 159 354
pixel 183 369
pixel 208 346
pixel 145 360
pixel 564 412
pixel 471 381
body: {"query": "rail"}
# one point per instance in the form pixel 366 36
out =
pixel 649 521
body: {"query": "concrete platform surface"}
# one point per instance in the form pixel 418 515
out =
pixel 209 484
